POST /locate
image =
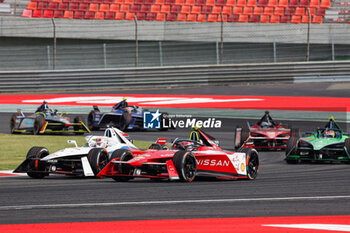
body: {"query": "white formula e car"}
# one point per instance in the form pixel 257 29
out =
pixel 87 160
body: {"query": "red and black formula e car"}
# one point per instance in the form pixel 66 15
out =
pixel 186 159
pixel 265 134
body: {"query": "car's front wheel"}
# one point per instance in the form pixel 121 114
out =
pixel 36 166
pixel 185 165
pixel 122 155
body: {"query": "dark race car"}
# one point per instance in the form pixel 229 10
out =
pixel 46 120
pixel 121 116
pixel 185 160
pixel 326 144
pixel 265 134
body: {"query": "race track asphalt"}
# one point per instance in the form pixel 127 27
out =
pixel 281 189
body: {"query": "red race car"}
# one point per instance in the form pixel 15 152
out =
pixel 187 158
pixel 265 134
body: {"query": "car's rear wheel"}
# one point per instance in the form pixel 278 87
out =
pixel 38 124
pixel 291 149
pixel 98 159
pixel 91 119
pixel 185 165
pixel 122 155
pixel 78 119
pixel 35 165
pixel 13 123
pixel 253 164
pixel 124 121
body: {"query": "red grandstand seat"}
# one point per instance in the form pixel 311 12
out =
pixel 145 8
pixel 149 2
pixel 128 2
pixel 160 17
pixel 272 3
pixel 185 9
pixel 289 11
pixel 212 18
pixel 268 10
pixel 233 18
pixel 100 15
pixel 279 11
pixel 216 10
pixel 243 19
pixel 181 17
pixel 262 3
pixel 58 14
pixel 78 1
pixel 231 3
pixel 155 8
pixel 196 10
pixel 264 18
pixel 151 16
pixel 104 7
pixel 315 3
pixel 83 7
pixel 189 2
pixel 32 5
pixel 275 19
pixel 253 19
pixel 241 3
pixel 37 13
pixel 258 10
pixel 119 15
pixel 317 19
pixel 159 2
pixel 134 8
pixel 248 10
pixel 202 18
pixel 200 3
pixel 210 3
pixel 283 3
pixel 140 16
pixel 325 4
pixel 321 12
pixel 206 9
pixel 285 19
pixel 93 7
pixel 52 6
pixel 224 17
pixel 169 2
pixel 27 13
pixel 99 2
pixel 220 2
pixel 237 10
pixel 251 3
pixel 42 5
pixel 175 9
pixel 304 3
pixel 48 14
pixel 109 1
pixel 171 17
pixel 296 19
pixel 130 16
pixel 305 19
pixel 139 2
pixel 119 2
pixel 78 15
pixel 312 11
pixel 73 6
pixel 227 10
pixel 110 15
pixel 293 3
pixel 180 2
pixel 124 8
pixel 299 11
pixel 57 1
pixel 86 1
pixel 114 7
pixel 63 6
pixel 165 9
pixel 68 15
pixel 89 15
pixel 192 17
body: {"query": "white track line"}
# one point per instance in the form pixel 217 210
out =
pixel 329 227
pixel 78 205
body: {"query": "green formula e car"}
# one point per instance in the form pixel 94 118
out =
pixel 327 144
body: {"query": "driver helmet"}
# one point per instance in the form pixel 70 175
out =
pixel 265 124
pixel 330 134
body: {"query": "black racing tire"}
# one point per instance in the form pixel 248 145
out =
pixel 78 119
pixel 91 119
pixel 253 165
pixel 155 146
pixel 38 124
pixel 295 132
pixel 98 159
pixel 122 155
pixel 37 153
pixel 165 117
pixel 13 123
pixel 347 146
pixel 185 165
pixel 291 148
pixel 125 120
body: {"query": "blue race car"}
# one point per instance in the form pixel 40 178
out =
pixel 121 116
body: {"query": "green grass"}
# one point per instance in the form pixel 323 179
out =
pixel 14 148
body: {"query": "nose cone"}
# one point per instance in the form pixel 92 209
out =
pixel 271 135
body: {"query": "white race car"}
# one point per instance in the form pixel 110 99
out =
pixel 87 160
